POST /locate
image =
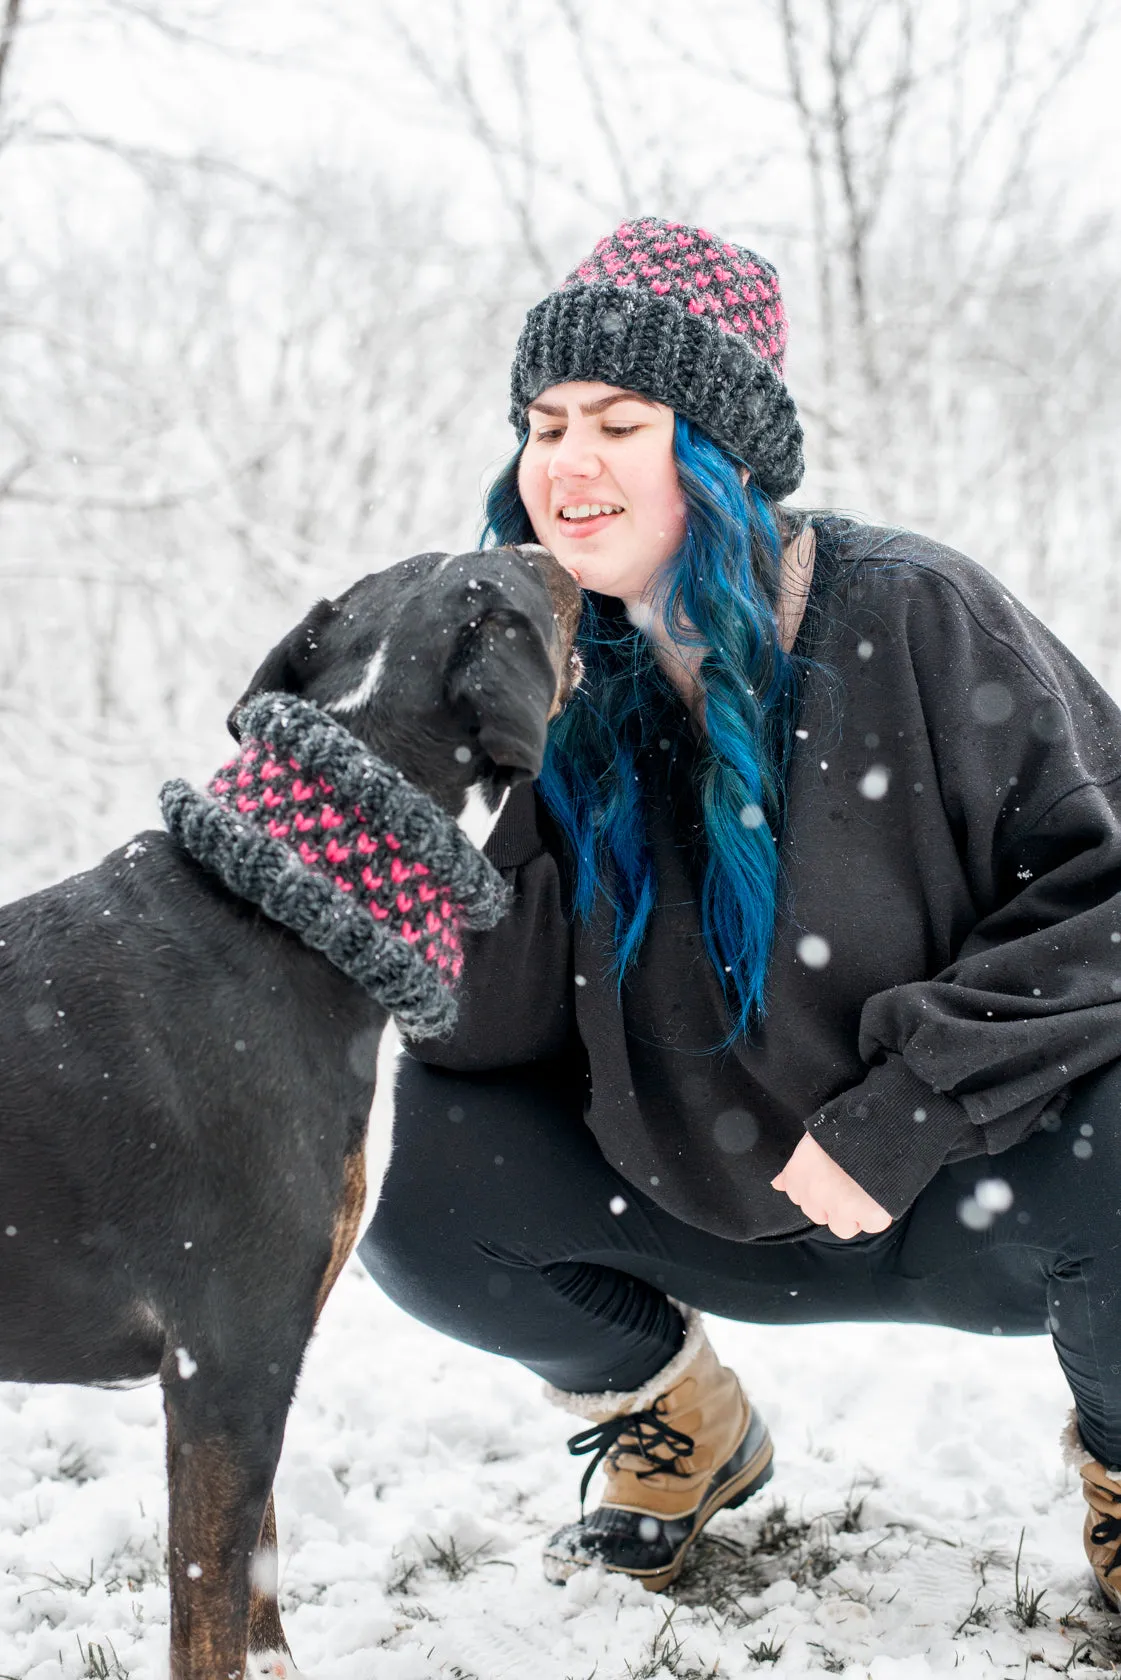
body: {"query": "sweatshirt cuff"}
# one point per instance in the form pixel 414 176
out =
pixel 891 1133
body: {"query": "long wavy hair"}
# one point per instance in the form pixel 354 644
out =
pixel 718 595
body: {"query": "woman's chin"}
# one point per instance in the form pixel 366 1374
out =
pixel 603 579
pixel 587 563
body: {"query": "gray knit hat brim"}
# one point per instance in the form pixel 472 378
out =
pixel 649 344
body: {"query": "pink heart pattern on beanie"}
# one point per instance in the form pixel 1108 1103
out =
pixel 705 274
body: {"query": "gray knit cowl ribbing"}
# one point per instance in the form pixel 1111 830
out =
pixel 338 847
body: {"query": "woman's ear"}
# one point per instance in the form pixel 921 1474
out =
pixel 745 476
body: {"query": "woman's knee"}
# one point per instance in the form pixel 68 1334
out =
pixel 473 1166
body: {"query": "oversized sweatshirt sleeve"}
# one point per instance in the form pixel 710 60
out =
pixel 1027 751
pixel 515 995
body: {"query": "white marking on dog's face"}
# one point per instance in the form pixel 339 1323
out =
pixel 365 690
pixel 476 819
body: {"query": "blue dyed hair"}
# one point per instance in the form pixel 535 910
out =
pixel 718 593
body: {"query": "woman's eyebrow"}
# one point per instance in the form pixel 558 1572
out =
pixel 596 407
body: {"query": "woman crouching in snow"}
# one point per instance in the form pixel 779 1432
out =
pixel 816 912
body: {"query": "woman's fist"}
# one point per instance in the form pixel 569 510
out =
pixel 826 1194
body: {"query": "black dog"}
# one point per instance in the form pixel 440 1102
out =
pixel 185 1085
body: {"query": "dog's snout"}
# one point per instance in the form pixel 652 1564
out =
pixel 565 597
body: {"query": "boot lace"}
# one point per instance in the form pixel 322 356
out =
pixel 638 1433
pixel 1105 1533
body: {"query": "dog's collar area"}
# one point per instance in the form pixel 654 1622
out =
pixel 337 846
pixel 340 844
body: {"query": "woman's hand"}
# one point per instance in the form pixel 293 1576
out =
pixel 826 1194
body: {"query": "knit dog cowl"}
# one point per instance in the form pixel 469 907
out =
pixel 338 847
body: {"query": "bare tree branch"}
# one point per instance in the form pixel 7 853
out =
pixel 840 69
pixel 574 21
pixel 1023 144
pixel 151 164
pixel 807 118
pixel 725 67
pixel 899 92
pixel 183 36
pixel 13 474
pixel 7 38
pixel 460 87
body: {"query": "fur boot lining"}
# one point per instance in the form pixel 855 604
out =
pixel 1076 1454
pixel 597 1408
pixel 1074 1450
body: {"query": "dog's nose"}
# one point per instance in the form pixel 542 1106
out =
pixel 567 603
pixel 564 592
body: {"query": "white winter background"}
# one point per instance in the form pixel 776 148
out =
pixel 262 265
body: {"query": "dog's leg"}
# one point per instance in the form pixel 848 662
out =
pixel 221 1458
pixel 269 1655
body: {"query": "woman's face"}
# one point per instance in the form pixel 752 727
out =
pixel 599 481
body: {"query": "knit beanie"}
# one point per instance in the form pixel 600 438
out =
pixel 679 315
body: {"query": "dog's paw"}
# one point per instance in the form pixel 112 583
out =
pixel 271 1665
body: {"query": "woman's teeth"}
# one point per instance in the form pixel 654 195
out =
pixel 589 510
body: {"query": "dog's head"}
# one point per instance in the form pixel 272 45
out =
pixel 447 666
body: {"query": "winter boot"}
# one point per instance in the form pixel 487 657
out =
pixel 1101 1533
pixel 684 1446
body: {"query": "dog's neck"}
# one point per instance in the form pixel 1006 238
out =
pixel 337 846
pixel 336 841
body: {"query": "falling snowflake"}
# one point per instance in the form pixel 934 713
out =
pixel 994 1195
pixel 813 950
pixel 973 1216
pixel 992 702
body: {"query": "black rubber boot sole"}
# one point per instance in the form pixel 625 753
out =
pixel 653 1549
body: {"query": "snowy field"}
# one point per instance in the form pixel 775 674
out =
pixel 420 1478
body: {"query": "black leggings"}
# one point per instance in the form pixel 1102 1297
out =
pixel 501 1224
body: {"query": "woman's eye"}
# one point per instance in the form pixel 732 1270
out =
pixel 620 431
pixel 547 434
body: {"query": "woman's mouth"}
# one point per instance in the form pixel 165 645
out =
pixel 583 519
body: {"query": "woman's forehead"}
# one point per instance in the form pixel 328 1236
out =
pixel 588 396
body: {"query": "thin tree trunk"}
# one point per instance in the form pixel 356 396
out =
pixel 823 265
pixel 7 36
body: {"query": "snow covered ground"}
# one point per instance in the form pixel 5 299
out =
pixel 419 1479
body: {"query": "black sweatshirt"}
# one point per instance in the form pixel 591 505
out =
pixel 953 836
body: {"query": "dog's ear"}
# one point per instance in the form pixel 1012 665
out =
pixel 503 680
pixel 290 664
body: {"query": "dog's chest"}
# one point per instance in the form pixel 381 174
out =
pixel 379 1130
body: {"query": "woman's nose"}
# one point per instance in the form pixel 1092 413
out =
pixel 574 456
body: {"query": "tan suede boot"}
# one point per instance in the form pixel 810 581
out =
pixel 1101 1532
pixel 684 1446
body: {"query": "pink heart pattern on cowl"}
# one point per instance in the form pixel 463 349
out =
pixel 339 844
